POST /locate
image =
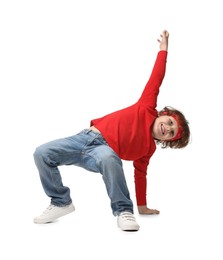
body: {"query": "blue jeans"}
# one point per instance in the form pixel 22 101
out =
pixel 90 151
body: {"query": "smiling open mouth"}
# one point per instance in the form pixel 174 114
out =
pixel 162 129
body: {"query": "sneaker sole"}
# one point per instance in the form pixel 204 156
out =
pixel 38 220
pixel 129 229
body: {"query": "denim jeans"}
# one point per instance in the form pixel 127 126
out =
pixel 90 151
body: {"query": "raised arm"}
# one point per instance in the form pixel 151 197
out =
pixel 151 90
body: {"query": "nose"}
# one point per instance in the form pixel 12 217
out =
pixel 169 128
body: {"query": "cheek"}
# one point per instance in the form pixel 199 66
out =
pixel 158 128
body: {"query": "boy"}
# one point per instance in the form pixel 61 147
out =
pixel 128 134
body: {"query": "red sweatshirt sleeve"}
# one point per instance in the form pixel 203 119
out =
pixel 151 90
pixel 140 172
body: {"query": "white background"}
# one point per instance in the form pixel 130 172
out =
pixel 63 63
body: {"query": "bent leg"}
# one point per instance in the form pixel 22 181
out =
pixel 49 156
pixel 110 166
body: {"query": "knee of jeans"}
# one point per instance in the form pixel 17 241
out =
pixel 38 153
pixel 110 160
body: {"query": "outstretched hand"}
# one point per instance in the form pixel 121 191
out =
pixel 163 41
pixel 146 211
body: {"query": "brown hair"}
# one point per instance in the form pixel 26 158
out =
pixel 185 138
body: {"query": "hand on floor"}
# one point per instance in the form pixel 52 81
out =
pixel 146 211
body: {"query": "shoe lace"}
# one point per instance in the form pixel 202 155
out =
pixel 127 216
pixel 50 207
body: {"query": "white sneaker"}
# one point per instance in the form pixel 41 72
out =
pixel 127 222
pixel 52 213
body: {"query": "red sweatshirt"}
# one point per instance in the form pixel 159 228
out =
pixel 129 131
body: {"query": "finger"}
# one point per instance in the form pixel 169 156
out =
pixel 165 32
pixel 154 211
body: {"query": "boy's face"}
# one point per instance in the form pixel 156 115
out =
pixel 164 128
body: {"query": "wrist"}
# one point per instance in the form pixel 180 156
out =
pixel 164 48
pixel 141 208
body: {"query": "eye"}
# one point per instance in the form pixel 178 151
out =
pixel 171 122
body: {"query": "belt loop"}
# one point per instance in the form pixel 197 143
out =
pixel 88 130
